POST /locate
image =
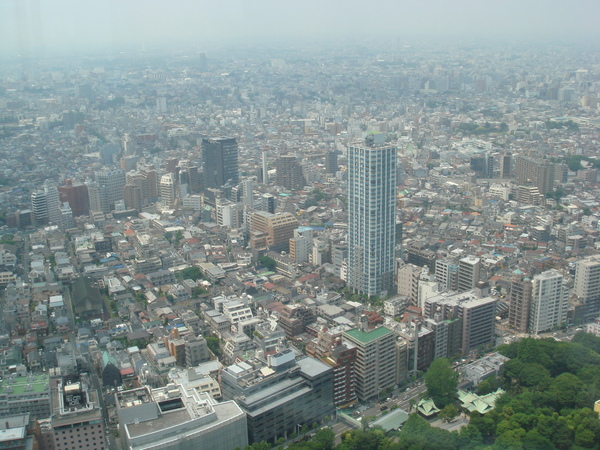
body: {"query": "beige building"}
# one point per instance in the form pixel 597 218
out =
pixel 277 229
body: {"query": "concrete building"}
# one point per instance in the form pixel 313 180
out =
pixel 340 355
pixel 277 229
pixel 587 285
pixel 468 273
pixel 280 395
pixel 25 395
pixel 446 273
pixel 76 420
pixel 534 172
pixel 220 160
pixel 167 189
pixel 478 316
pixel 175 418
pixel 548 302
pixel 371 216
pixel 375 368
pixel 519 301
pixel 289 172
pixel 106 190
pixel 77 197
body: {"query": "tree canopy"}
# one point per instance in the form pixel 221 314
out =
pixel 441 382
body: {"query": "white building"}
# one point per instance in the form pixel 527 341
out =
pixel 548 302
pixel 371 215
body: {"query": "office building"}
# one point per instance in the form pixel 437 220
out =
pixel 375 367
pixel 77 197
pixel 248 192
pixel 587 286
pixel 548 302
pixel 281 395
pixel 535 172
pixel 478 315
pixel 289 172
pixel 175 418
pixel 268 203
pixel 519 301
pixel 220 160
pixel 276 230
pixel 468 273
pixel 76 420
pixel 371 217
pixel 25 394
pixel 331 162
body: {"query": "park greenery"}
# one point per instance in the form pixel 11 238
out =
pixel 550 389
pixel 574 162
pixel 267 262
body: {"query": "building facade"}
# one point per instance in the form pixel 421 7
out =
pixel 371 217
pixel 220 159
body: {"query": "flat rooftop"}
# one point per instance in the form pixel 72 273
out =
pixel 367 336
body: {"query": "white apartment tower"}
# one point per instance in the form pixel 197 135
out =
pixel 548 302
pixel 587 285
pixel 371 216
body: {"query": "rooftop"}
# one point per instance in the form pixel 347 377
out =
pixel 367 336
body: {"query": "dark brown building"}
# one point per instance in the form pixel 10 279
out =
pixel 76 195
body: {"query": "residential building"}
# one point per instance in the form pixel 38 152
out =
pixel 548 302
pixel 77 197
pixel 371 216
pixel 289 172
pixel 375 368
pixel 535 172
pixel 587 285
pixel 478 316
pixel 519 301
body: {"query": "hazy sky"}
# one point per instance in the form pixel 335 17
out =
pixel 42 26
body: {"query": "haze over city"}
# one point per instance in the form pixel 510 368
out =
pixel 299 225
pixel 42 28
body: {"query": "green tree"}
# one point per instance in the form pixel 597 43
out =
pixel 441 382
pixel 191 273
pixel 324 439
pixel 487 386
pixel 267 262
pixel 448 413
pixel 213 345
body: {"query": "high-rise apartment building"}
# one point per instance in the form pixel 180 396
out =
pixel 331 162
pixel 132 194
pixel 107 189
pixel 519 301
pixel 46 205
pixel 587 285
pixel 548 302
pixel 375 367
pixel 371 216
pixel 168 189
pixel 220 159
pixel 289 172
pixel 535 172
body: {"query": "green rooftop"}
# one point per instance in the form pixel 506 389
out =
pixel 367 336
pixel 20 385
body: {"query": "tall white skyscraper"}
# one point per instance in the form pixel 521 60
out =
pixel 371 216
pixel 46 205
pixel 548 302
